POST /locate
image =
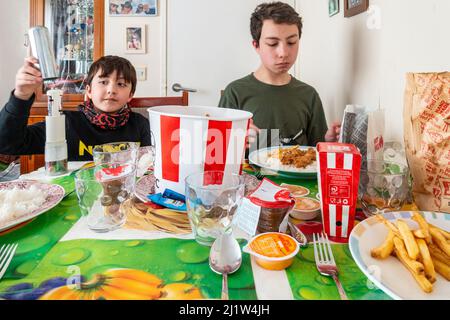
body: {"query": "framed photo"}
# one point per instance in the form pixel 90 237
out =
pixel 354 7
pixel 141 73
pixel 130 8
pixel 333 7
pixel 135 39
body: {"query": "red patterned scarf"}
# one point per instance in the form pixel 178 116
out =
pixel 104 120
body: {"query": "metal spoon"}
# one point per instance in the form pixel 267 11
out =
pixel 289 140
pixel 225 258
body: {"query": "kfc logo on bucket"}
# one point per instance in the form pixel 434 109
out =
pixel 196 139
pixel 338 177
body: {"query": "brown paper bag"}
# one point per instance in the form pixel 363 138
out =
pixel 427 138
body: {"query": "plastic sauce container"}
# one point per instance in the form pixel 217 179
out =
pixel 273 250
pixel 305 208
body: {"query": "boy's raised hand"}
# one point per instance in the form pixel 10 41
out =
pixel 333 132
pixel 28 79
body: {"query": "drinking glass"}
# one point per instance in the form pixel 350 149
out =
pixel 102 191
pixel 126 152
pixel 384 186
pixel 212 199
pixel 116 152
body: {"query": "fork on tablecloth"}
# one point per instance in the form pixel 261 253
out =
pixel 325 261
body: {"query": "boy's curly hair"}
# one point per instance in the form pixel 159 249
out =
pixel 109 64
pixel 279 12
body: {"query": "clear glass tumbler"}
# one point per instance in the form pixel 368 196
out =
pixel 212 199
pixel 102 191
pixel 116 152
pixel 384 186
pixel 126 152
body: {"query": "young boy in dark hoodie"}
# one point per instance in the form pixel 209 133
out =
pixel 104 117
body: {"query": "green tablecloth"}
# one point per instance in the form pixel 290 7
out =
pixel 43 262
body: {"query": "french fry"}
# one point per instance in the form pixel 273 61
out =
pixel 412 265
pixel 425 252
pixel 440 241
pixel 427 262
pixel 446 234
pixel 389 224
pixel 438 254
pixel 442 269
pixel 423 282
pixel 386 248
pixel 420 233
pixel 423 224
pixel 408 238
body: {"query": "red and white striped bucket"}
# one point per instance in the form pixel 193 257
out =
pixel 196 139
pixel 338 177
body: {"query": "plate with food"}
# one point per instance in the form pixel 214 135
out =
pixel 144 187
pixel 287 161
pixel 406 254
pixel 22 200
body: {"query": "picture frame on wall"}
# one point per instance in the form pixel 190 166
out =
pixel 135 39
pixel 354 7
pixel 333 7
pixel 133 8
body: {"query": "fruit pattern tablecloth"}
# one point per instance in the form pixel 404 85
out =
pixel 51 265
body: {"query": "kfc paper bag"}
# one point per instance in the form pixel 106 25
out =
pixel 427 138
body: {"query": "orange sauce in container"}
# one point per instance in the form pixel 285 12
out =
pixel 273 250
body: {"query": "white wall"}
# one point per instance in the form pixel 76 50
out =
pixel 341 57
pixel 153 59
pixel 348 62
pixel 14 23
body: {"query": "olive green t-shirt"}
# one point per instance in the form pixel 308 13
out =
pixel 290 108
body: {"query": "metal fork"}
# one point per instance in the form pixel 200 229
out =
pixel 325 261
pixel 257 172
pixel 6 254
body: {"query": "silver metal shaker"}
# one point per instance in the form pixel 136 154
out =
pixel 41 48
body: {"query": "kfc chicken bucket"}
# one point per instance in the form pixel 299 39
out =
pixel 196 139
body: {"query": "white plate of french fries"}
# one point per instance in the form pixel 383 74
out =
pixel 406 254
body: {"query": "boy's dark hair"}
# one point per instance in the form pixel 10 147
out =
pixel 279 12
pixel 109 64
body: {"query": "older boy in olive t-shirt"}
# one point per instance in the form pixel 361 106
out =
pixel 291 108
pixel 277 100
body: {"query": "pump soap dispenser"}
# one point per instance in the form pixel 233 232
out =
pixel 55 144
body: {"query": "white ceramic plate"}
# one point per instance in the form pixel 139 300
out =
pixel 260 157
pixel 390 275
pixel 144 187
pixel 55 193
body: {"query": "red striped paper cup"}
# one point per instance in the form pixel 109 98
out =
pixel 196 139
